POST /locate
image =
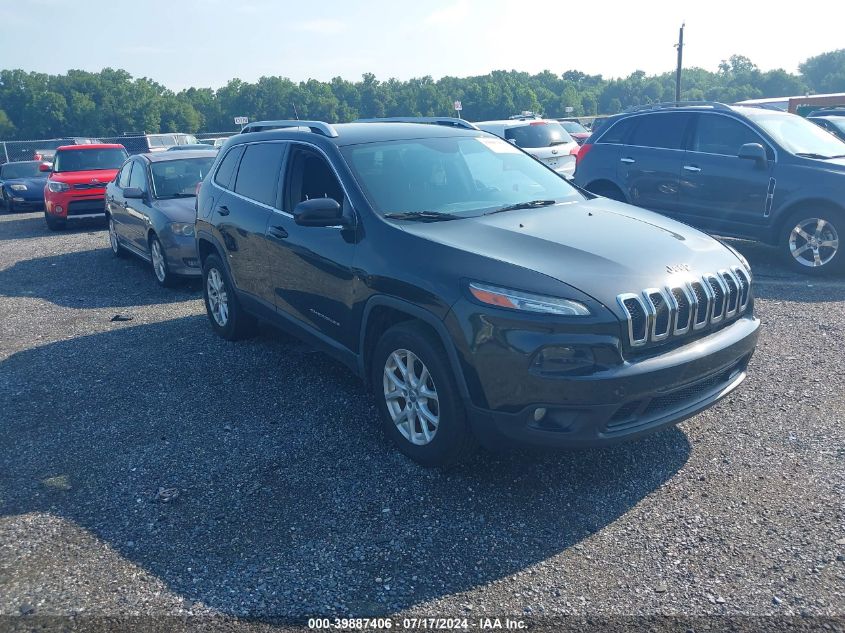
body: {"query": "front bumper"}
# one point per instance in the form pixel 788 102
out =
pixel 180 251
pixel 624 401
pixel 72 204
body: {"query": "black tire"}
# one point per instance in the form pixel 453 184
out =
pixel 607 190
pixel 54 224
pixel 453 440
pixel 114 244
pixel 10 206
pixel 4 203
pixel 168 279
pixel 808 219
pixel 238 324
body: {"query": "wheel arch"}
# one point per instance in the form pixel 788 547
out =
pixel 382 312
pixel 605 183
pixel 788 210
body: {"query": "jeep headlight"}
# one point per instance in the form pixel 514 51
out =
pixel 526 301
pixel 182 228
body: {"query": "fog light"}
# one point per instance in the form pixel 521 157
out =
pixel 562 360
pixel 58 210
pixel 539 414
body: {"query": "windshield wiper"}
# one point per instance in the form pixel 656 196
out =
pixel 814 155
pixel 531 204
pixel 422 216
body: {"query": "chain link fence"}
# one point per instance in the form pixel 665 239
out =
pixel 45 149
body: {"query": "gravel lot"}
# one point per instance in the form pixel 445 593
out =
pixel 150 468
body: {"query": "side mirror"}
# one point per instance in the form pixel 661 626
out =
pixel 319 212
pixel 133 192
pixel 753 151
pixel 45 167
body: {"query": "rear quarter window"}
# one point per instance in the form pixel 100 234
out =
pixel 258 173
pixel 228 165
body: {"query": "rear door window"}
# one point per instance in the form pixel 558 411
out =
pixel 664 130
pixel 258 173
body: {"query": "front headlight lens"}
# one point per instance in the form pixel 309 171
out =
pixel 57 187
pixel 526 301
pixel 17 187
pixel 182 228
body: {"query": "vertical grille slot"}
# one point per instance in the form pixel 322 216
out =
pixel 732 297
pixel 702 299
pixel 662 314
pixel 717 287
pixel 637 318
pixel 744 287
pixel 683 309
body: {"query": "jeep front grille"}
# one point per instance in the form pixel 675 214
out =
pixel 656 314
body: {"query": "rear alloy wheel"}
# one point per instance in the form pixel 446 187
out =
pixel 163 275
pixel 417 397
pixel 114 242
pixel 811 241
pixel 225 313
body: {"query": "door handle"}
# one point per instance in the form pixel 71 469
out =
pixel 692 168
pixel 277 232
pixel 627 160
pixel 223 209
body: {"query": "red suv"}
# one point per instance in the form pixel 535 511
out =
pixel 76 186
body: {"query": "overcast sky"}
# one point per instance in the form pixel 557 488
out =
pixel 183 43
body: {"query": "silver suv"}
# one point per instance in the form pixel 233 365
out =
pixel 545 139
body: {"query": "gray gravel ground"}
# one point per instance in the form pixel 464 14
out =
pixel 150 468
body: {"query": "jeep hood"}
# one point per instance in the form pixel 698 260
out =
pixel 601 247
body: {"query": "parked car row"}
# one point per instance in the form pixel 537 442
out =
pixel 481 296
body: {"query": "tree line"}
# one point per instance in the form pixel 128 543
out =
pixel 112 102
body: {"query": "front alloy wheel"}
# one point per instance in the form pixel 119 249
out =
pixel 411 397
pixel 160 268
pixel 218 298
pixel 813 242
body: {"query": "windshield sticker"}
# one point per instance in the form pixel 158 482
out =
pixel 499 146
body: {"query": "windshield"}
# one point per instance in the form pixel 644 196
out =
pixel 538 134
pixel 799 136
pixel 573 127
pixel 88 159
pixel 837 121
pixel 27 169
pixel 461 176
pixel 179 178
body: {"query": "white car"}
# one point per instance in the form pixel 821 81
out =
pixel 544 139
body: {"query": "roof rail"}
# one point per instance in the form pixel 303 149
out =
pixel 679 104
pixel 432 120
pixel 318 127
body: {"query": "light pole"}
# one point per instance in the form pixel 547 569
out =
pixel 680 47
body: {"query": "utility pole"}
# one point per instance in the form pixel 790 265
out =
pixel 680 47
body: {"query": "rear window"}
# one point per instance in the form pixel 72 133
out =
pixel 165 140
pixel 573 127
pixel 258 174
pixel 179 178
pixel 538 134
pixel 664 131
pixel 89 159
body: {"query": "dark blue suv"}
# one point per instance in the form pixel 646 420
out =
pixel 734 171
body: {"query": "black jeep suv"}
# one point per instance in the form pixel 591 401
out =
pixel 735 171
pixel 477 293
